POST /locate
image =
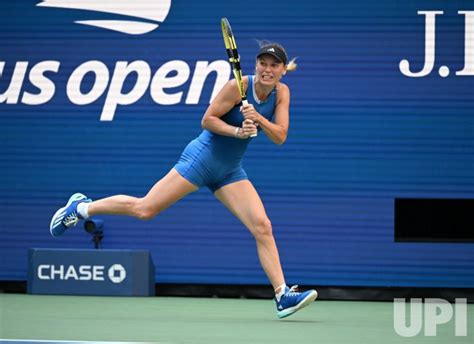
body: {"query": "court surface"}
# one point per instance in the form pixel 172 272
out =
pixel 60 319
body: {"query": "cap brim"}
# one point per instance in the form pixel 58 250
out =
pixel 272 54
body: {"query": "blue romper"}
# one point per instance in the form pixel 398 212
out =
pixel 215 160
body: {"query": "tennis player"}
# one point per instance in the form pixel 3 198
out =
pixel 214 160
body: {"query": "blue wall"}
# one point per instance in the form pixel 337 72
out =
pixel 362 134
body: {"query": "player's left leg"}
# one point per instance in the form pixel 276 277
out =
pixel 243 201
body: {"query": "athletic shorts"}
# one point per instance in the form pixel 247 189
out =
pixel 199 165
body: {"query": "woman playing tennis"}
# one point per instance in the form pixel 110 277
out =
pixel 214 160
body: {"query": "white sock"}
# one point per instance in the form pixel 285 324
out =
pixel 83 210
pixel 281 292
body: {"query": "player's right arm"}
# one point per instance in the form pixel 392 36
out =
pixel 226 99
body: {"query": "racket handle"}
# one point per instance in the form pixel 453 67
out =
pixel 245 102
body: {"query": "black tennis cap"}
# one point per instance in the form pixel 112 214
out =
pixel 276 51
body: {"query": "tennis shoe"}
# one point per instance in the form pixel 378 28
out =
pixel 292 301
pixel 67 216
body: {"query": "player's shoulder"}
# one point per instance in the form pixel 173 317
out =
pixel 232 82
pixel 282 90
pixel 283 86
pixel 231 91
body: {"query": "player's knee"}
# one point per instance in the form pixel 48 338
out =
pixel 145 211
pixel 263 228
pixel 145 215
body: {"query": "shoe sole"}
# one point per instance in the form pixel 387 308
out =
pixel 73 198
pixel 306 301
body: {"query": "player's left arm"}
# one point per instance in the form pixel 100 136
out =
pixel 277 130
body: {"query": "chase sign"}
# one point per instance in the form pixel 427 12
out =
pixel 90 272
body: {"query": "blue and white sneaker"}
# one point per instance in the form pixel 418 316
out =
pixel 67 216
pixel 292 301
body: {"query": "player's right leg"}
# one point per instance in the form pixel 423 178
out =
pixel 163 194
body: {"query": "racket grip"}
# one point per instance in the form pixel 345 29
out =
pixel 245 102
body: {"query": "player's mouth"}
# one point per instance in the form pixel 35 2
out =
pixel 267 77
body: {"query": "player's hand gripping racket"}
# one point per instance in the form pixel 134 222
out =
pixel 234 59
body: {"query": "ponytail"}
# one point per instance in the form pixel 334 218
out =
pixel 291 66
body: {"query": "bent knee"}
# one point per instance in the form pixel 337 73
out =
pixel 145 211
pixel 263 228
pixel 145 215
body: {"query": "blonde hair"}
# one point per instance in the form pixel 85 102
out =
pixel 291 65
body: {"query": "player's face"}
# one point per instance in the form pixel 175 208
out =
pixel 269 70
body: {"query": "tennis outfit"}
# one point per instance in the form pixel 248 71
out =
pixel 215 160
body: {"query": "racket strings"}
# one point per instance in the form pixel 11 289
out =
pixel 232 53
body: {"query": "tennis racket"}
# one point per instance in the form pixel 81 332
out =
pixel 234 58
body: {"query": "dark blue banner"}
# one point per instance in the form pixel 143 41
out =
pixel 102 99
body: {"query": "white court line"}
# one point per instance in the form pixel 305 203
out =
pixel 75 341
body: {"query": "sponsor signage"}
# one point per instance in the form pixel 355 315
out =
pixel 90 272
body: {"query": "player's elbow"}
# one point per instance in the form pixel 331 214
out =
pixel 204 122
pixel 280 142
pixel 280 139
